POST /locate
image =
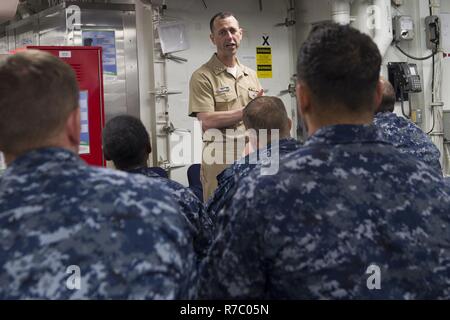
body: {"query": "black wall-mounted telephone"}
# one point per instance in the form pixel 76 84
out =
pixel 432 32
pixel 405 79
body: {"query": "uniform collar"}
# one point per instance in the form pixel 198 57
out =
pixel 285 145
pixel 385 114
pixel 218 67
pixel 145 171
pixel 388 115
pixel 345 134
pixel 44 156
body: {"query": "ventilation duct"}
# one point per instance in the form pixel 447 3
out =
pixel 383 28
pixel 340 11
pixel 8 10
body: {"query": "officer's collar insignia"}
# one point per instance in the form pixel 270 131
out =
pixel 223 89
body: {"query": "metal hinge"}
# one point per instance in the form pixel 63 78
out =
pixel 166 165
pixel 163 92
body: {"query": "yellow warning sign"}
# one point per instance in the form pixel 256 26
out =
pixel 264 62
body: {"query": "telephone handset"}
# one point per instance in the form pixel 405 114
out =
pixel 404 78
pixel 411 74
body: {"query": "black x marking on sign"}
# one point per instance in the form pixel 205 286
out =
pixel 265 41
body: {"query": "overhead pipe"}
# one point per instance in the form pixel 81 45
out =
pixel 340 11
pixel 8 10
pixel 383 35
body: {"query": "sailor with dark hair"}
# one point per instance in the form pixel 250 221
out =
pixel 344 204
pixel 126 143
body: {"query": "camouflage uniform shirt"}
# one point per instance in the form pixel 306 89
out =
pixel 123 232
pixel 229 178
pixel 343 203
pixel 408 138
pixel 191 207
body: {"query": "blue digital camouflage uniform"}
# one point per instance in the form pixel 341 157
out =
pixel 191 207
pixel 408 138
pixel 229 178
pixel 124 232
pixel 343 202
pixel 447 181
